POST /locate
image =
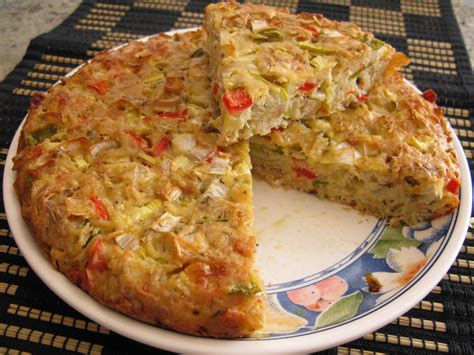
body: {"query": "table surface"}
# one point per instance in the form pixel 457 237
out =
pixel 22 20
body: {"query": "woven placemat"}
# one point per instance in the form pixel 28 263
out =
pixel 34 320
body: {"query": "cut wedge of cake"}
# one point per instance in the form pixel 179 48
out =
pixel 122 182
pixel 389 157
pixel 270 67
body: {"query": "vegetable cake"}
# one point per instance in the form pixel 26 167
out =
pixel 389 156
pixel 122 182
pixel 270 67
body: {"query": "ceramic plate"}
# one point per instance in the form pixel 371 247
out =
pixel 319 261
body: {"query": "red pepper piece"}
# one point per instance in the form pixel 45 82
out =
pixel 324 111
pixel 96 260
pixel 304 172
pixel 307 87
pixel 139 140
pixel 160 146
pixel 453 186
pixel 100 208
pixel 362 99
pixel 214 152
pixel 313 29
pixel 101 86
pixel 237 100
pixel 430 95
pixel 179 116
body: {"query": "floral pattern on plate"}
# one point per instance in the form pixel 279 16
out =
pixel 379 274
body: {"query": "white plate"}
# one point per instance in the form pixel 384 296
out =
pixel 313 256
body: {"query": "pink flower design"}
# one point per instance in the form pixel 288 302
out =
pixel 319 296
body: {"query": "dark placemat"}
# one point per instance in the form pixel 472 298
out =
pixel 34 320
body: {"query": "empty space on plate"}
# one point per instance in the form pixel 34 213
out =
pixel 300 235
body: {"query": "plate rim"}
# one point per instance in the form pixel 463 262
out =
pixel 171 340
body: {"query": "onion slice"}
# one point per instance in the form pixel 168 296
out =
pixel 166 223
pixel 258 24
pixel 183 143
pixel 200 153
pixel 127 242
pixel 216 189
pixel 218 165
pixel 98 147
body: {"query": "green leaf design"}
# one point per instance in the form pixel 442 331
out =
pixel 343 309
pixel 392 238
pixel 299 312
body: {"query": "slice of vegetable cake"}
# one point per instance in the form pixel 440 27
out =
pixel 271 67
pixel 390 156
pixel 122 182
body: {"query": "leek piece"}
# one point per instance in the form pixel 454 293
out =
pixel 154 79
pixel 317 49
pixel 269 34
